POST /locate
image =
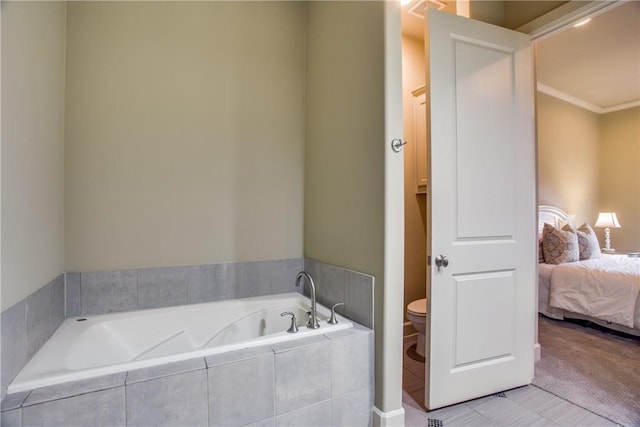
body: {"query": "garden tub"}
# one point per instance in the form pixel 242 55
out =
pixel 90 346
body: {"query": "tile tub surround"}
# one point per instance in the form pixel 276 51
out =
pixel 336 284
pixel 127 290
pixel 27 325
pixel 327 379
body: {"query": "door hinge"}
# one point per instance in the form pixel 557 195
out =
pixel 428 259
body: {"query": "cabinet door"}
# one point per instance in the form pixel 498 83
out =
pixel 420 136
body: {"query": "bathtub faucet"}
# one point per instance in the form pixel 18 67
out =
pixel 313 321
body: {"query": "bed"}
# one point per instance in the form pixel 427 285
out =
pixel 604 290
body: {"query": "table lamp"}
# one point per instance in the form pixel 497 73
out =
pixel 607 220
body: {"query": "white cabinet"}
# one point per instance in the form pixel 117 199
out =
pixel 420 136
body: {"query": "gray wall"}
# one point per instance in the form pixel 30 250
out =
pixel 27 325
pixel 33 73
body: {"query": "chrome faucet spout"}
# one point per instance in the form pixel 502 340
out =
pixel 313 320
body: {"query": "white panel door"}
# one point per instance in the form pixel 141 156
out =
pixel 481 308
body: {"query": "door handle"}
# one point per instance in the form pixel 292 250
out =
pixel 441 261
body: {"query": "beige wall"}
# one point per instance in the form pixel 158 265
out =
pixel 33 52
pixel 344 160
pixel 185 133
pixel 568 149
pixel 620 175
pixel 415 250
pixel 590 163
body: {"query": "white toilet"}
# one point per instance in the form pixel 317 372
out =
pixel 417 314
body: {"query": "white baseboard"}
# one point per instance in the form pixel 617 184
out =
pixel 537 352
pixel 408 330
pixel 388 419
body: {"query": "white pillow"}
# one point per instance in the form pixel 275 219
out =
pixel 588 244
pixel 559 246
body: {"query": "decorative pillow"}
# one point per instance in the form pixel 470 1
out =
pixel 559 246
pixel 588 242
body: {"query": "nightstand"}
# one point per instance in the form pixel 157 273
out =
pixel 629 253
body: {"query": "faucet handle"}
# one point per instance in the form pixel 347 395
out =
pixel 293 328
pixel 333 319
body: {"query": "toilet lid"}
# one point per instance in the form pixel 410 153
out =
pixel 418 307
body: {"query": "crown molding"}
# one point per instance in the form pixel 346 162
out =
pixel 621 107
pixel 548 90
pixel 566 15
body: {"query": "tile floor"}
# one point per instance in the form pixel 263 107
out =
pixel 524 406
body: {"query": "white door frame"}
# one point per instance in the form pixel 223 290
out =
pixel 389 411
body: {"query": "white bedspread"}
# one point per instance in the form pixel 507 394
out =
pixel 606 288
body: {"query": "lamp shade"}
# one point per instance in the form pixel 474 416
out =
pixel 607 220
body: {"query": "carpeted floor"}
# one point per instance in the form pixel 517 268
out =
pixel 592 368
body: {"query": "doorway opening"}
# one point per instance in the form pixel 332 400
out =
pixel 415 201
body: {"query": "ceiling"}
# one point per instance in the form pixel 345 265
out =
pixel 598 63
pixel 595 66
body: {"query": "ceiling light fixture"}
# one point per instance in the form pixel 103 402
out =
pixel 581 23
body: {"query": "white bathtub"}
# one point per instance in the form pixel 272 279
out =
pixel 90 346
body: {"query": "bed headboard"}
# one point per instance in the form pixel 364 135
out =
pixel 550 215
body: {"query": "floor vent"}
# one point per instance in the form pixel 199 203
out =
pixel 501 394
pixel 435 423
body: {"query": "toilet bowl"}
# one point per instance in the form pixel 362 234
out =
pixel 417 314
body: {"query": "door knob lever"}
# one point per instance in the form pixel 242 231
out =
pixel 441 262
